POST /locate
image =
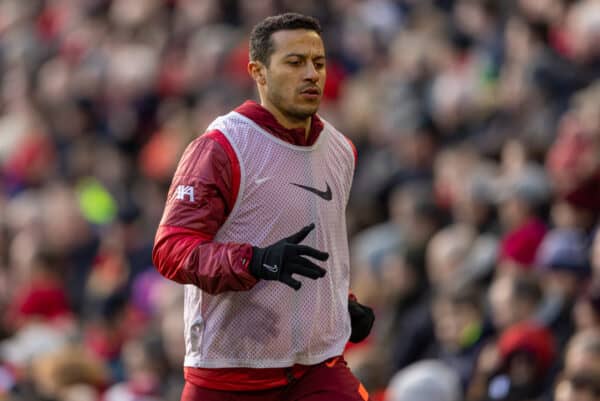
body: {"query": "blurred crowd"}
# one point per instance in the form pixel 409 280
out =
pixel 473 220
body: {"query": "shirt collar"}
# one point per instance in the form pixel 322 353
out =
pixel 264 118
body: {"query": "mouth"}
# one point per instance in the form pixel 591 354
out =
pixel 311 92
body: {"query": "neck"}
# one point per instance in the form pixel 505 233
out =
pixel 287 121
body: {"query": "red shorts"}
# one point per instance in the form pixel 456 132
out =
pixel 327 381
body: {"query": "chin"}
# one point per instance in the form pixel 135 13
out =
pixel 308 110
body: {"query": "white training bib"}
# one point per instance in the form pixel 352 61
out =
pixel 283 188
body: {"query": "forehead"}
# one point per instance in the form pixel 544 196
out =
pixel 299 41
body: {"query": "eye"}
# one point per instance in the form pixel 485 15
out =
pixel 294 62
pixel 319 65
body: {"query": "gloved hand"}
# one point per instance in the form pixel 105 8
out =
pixel 285 257
pixel 361 319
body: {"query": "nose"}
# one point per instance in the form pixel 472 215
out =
pixel 311 73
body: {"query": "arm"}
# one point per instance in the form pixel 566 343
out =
pixel 202 193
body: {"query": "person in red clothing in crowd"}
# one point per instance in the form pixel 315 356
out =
pixel 254 226
pixel 43 297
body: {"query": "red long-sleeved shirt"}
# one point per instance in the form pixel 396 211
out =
pixel 184 250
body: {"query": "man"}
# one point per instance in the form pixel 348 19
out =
pixel 266 310
pixel 579 379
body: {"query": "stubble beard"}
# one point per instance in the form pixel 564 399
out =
pixel 291 111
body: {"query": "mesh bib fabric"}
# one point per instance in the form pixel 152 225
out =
pixel 272 325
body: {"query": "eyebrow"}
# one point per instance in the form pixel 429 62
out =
pixel 300 55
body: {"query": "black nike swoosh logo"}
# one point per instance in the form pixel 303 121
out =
pixel 321 194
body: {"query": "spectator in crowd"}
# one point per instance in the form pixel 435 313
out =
pixel 523 190
pixel 586 311
pixel 428 379
pixel 581 373
pixel 563 258
pixel 459 329
pixel 513 299
pixel 414 331
pixel 145 371
pixel 516 367
pixel 43 297
pixel 71 373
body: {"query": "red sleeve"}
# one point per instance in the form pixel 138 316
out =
pixel 201 196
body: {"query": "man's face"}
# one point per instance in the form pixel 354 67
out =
pixel 295 75
pixel 502 302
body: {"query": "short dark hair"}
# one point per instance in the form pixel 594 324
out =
pixel 261 45
pixel 528 289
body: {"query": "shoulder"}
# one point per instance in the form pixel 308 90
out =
pixel 212 148
pixel 210 162
pixel 343 139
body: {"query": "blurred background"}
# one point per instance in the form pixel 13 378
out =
pixel 473 221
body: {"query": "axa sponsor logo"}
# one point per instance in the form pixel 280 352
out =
pixel 184 192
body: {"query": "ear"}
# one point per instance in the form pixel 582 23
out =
pixel 257 71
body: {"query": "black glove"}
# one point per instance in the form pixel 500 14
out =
pixel 285 257
pixel 361 319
